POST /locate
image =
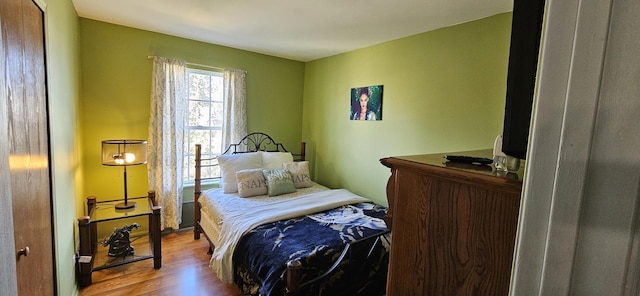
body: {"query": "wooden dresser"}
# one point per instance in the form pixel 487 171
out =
pixel 453 226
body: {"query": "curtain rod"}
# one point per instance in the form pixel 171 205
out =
pixel 197 65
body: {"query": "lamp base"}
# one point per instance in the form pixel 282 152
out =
pixel 125 206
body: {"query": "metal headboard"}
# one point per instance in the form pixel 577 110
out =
pixel 252 142
pixel 255 142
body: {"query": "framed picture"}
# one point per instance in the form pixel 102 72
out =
pixel 366 103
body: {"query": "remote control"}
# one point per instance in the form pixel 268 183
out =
pixel 468 159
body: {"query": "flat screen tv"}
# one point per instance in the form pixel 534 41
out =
pixel 526 29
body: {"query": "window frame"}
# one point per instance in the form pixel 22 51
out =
pixel 189 146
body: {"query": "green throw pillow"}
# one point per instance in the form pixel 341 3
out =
pixel 278 182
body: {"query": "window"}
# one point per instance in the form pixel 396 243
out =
pixel 203 121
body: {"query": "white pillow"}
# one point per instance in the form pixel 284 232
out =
pixel 251 183
pixel 274 160
pixel 299 173
pixel 231 163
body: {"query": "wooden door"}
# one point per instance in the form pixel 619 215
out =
pixel 28 141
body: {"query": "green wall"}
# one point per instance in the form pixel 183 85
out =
pixel 117 87
pixel 444 90
pixel 63 81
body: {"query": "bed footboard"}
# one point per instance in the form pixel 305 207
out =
pixel 357 260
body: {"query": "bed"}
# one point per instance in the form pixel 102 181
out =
pixel 270 238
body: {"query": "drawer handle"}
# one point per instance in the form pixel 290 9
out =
pixel 24 252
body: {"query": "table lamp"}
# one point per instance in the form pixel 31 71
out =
pixel 124 153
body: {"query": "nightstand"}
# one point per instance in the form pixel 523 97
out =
pixel 104 211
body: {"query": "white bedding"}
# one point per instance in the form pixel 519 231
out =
pixel 215 203
pixel 233 216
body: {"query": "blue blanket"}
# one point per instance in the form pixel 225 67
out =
pixel 261 255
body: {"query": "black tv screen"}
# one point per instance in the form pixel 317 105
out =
pixel 526 26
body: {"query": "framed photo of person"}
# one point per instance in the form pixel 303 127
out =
pixel 366 103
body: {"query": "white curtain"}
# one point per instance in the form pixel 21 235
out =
pixel 235 107
pixel 165 143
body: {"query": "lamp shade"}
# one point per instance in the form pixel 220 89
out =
pixel 124 152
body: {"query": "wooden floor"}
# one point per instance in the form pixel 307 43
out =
pixel 185 271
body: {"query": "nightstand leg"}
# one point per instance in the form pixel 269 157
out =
pixel 155 237
pixel 85 262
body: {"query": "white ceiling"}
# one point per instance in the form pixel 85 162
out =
pixel 301 30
